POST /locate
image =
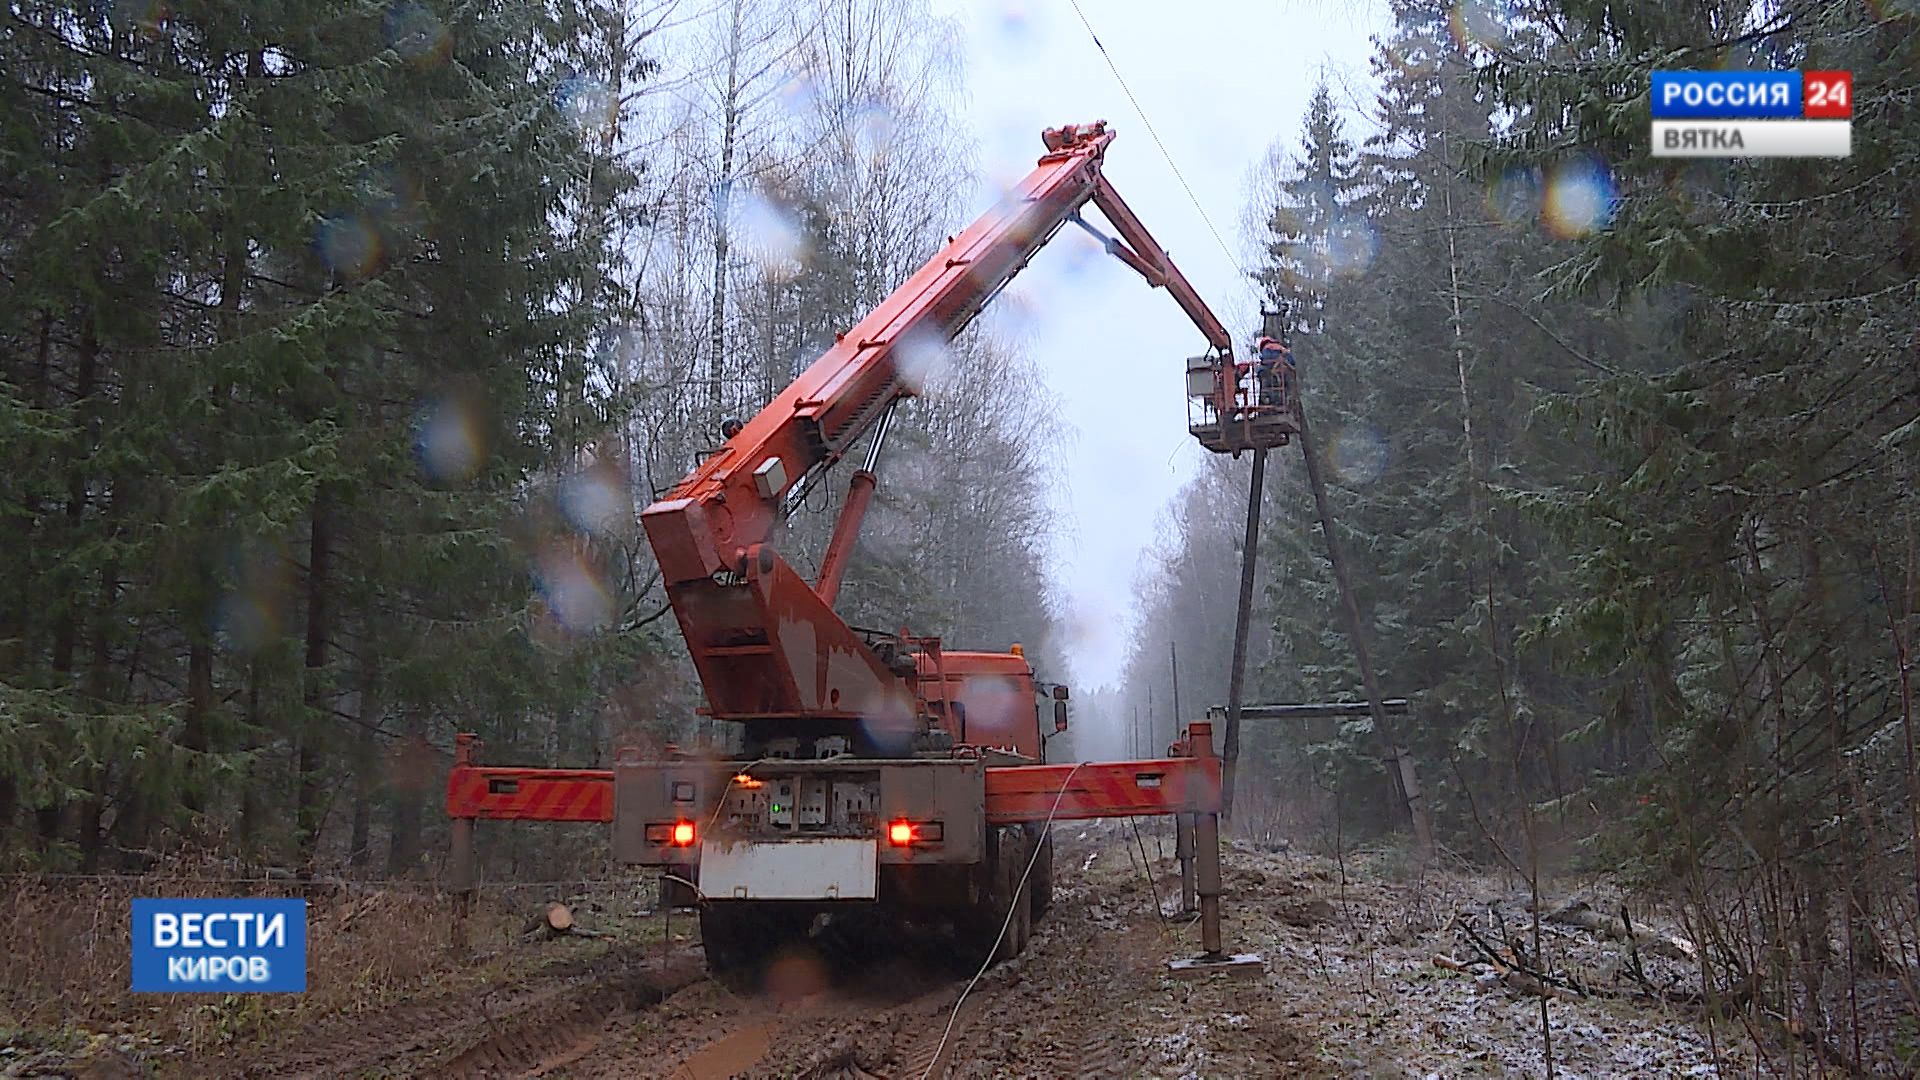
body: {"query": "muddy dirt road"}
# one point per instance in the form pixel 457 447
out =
pixel 1349 989
pixel 1087 999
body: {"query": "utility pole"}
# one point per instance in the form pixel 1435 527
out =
pixel 1236 680
pixel 1406 776
pixel 1173 650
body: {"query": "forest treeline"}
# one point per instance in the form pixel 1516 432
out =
pixel 340 344
pixel 1623 453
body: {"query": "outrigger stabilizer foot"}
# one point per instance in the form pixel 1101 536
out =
pixel 1203 864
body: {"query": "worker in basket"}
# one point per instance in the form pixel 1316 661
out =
pixel 1244 386
pixel 1273 366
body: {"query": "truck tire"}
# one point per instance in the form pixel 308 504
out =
pixel 1040 884
pixel 978 928
pixel 721 938
pixel 741 937
pixel 733 955
pixel 1014 893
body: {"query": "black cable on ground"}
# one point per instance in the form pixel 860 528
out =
pixel 1152 885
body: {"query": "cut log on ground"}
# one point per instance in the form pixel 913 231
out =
pixel 555 920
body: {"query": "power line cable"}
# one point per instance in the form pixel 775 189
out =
pixel 1164 152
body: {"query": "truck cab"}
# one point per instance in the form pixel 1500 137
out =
pixel 992 701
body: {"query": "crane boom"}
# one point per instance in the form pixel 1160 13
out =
pixel 768 646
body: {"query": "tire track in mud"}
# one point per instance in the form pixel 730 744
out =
pixel 866 1024
pixel 522 1029
pixel 542 1039
pixel 890 1023
pixel 731 1054
pixel 1065 1007
pixel 932 1053
pixel 1055 1011
pixel 1070 1006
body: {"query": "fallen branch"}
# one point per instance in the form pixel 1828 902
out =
pixel 1511 970
pixel 362 907
pixel 1724 1002
pixel 1622 928
pixel 1512 978
pixel 1523 982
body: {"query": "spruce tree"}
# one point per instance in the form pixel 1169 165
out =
pixel 301 328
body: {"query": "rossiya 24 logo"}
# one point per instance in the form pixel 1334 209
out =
pixel 220 946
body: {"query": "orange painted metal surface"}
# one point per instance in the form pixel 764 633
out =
pixel 1103 789
pixel 506 794
pixel 1014 794
pixel 1188 782
pixel 503 793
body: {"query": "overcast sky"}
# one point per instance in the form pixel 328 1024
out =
pixel 1220 81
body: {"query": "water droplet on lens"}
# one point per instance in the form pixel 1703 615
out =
pixel 1580 198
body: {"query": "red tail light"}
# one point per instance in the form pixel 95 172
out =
pixel 902 833
pixel 679 833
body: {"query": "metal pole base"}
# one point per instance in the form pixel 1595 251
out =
pixel 462 870
pixel 1243 965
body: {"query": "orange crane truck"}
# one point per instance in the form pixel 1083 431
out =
pixel 875 769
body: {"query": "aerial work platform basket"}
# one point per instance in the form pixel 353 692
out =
pixel 1251 404
pixel 1232 407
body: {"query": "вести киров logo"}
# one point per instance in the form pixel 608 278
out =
pixel 220 946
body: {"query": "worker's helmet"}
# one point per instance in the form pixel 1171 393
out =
pixel 1269 349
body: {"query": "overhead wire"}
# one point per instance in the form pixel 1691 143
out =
pixel 1233 259
pixel 1239 269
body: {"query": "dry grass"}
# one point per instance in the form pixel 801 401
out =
pixel 65 958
